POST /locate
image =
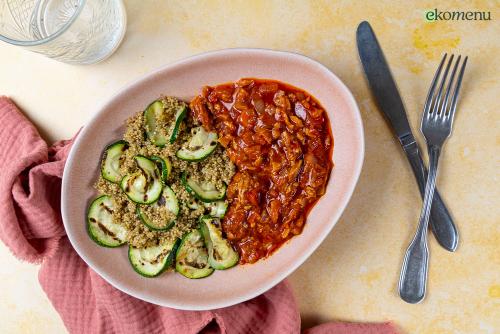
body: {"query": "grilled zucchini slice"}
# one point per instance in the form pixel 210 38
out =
pixel 204 191
pixel 168 201
pixel 191 259
pixel 100 225
pixel 110 169
pixel 144 186
pixel 154 260
pixel 221 255
pixel 199 147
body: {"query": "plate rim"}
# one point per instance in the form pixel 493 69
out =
pixel 346 92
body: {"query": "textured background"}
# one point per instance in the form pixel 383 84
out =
pixel 353 275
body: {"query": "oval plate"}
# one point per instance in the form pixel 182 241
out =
pixel 184 79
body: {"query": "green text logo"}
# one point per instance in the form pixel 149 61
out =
pixel 438 15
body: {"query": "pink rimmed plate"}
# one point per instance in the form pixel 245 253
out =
pixel 184 79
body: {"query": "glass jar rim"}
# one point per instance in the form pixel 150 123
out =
pixel 59 32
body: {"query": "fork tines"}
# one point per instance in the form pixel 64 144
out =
pixel 435 103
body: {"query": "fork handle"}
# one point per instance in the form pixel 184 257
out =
pixel 413 279
pixel 441 222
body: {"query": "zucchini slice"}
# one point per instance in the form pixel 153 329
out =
pixel 167 200
pixel 110 169
pixel 144 186
pixel 220 253
pixel 154 260
pixel 100 225
pixel 191 259
pixel 199 147
pixel 205 192
pixel 164 165
pixel 217 209
pixel 180 114
pixel 154 132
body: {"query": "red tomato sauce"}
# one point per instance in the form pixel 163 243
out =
pixel 280 140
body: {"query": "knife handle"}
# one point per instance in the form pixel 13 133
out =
pixel 440 219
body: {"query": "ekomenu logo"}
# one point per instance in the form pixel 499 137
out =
pixel 438 15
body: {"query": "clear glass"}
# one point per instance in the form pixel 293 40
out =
pixel 72 31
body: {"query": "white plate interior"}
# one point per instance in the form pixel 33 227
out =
pixel 184 80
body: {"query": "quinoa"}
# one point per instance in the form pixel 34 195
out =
pixel 217 169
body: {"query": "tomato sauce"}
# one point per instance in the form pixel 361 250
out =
pixel 280 140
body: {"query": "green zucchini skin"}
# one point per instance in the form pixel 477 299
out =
pixel 216 209
pixel 153 132
pixel 180 114
pixel 197 191
pixel 221 255
pixel 151 112
pixel 165 167
pixel 162 267
pixel 148 171
pixel 199 147
pixel 146 221
pixel 172 205
pixel 192 244
pixel 94 215
pixel 112 154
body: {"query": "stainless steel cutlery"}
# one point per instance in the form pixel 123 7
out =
pixel 387 96
pixel 437 122
pixel 436 127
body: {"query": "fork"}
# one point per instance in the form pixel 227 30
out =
pixel 436 126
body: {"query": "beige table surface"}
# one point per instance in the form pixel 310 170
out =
pixel 353 275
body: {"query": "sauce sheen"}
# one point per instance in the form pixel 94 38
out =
pixel 280 140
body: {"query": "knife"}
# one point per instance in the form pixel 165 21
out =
pixel 389 101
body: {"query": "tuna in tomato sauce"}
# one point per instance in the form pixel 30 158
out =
pixel 280 140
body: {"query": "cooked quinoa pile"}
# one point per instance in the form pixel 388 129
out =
pixel 216 169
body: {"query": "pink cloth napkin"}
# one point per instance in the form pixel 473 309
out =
pixel 31 226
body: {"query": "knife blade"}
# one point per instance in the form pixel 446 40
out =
pixel 386 94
